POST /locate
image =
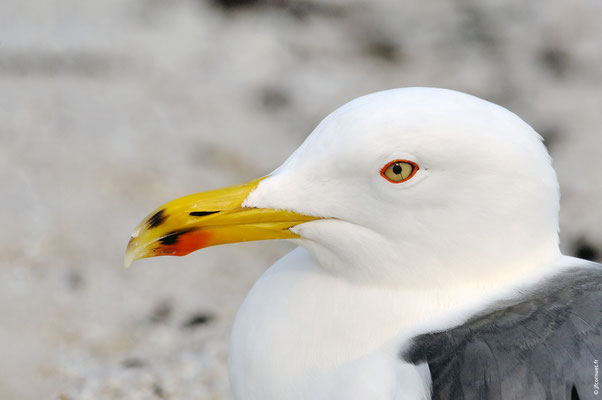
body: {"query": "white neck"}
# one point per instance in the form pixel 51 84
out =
pixel 305 333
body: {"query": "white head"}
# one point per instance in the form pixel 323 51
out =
pixel 482 206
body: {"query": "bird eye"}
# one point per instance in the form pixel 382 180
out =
pixel 399 171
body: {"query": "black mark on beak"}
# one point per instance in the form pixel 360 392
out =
pixel 173 237
pixel 157 219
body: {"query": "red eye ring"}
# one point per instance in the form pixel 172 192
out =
pixel 415 169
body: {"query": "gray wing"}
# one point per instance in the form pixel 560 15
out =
pixel 544 345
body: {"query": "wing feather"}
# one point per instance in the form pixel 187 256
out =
pixel 539 346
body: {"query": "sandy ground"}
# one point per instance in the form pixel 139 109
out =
pixel 110 108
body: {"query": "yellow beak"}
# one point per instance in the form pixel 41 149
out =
pixel 207 219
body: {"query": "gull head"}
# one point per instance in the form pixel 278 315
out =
pixel 482 196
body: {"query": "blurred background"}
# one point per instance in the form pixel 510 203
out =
pixel 110 108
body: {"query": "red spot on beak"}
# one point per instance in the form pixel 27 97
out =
pixel 182 243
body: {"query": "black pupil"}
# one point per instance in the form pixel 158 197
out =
pixel 397 169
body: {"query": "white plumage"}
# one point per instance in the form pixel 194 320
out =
pixel 429 261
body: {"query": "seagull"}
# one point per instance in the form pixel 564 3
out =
pixel 428 264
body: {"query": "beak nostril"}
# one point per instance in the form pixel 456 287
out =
pixel 202 213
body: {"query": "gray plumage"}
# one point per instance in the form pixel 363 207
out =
pixel 541 345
